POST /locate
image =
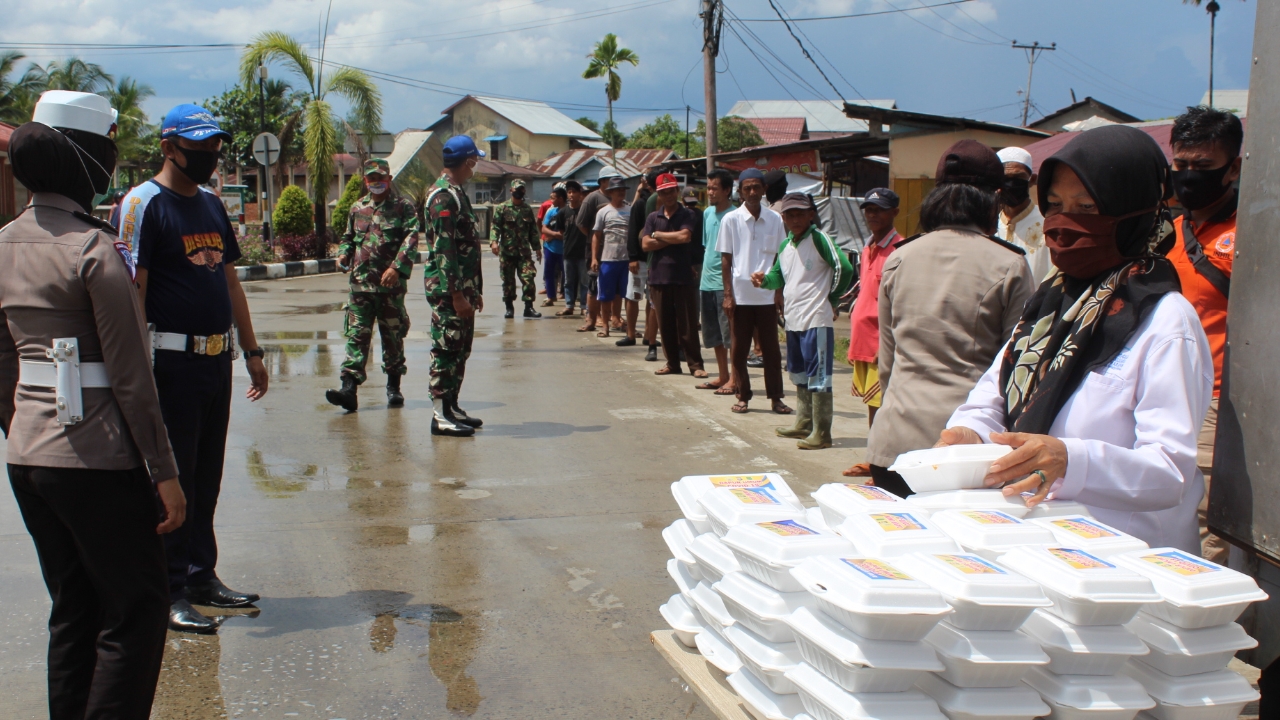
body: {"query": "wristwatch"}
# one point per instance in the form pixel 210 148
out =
pixel 254 353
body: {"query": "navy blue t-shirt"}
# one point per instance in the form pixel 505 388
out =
pixel 184 244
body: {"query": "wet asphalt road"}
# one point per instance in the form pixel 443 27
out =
pixel 514 574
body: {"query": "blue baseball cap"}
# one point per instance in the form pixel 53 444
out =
pixel 191 122
pixel 458 148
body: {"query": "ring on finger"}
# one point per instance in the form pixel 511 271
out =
pixel 1044 479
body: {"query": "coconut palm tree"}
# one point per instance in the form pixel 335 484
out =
pixel 17 97
pixel 605 59
pixel 322 128
pixel 132 130
pixel 71 74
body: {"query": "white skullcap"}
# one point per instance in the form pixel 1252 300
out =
pixel 75 111
pixel 1015 155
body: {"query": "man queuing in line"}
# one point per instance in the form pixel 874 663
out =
pixel 609 247
pixel 553 244
pixel 379 249
pixel 668 236
pixel 812 273
pixel 1020 220
pixel 637 281
pixel 586 223
pixel 575 246
pixel 517 245
pixel 749 240
pixel 879 209
pixel 185 251
pixel 715 322
pixel 454 286
pixel 1206 164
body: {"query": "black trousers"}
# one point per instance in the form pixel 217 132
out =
pixel 195 399
pixel 746 322
pixel 887 479
pixel 677 307
pixel 95 534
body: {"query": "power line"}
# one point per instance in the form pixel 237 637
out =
pixel 803 51
pixel 833 66
pixel 800 79
pixel 934 29
pixel 855 15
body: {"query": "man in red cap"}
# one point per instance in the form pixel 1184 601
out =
pixel 667 234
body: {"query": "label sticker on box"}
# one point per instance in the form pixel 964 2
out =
pixel 757 496
pixel 875 569
pixel 873 493
pixel 971 565
pixel 990 517
pixel 787 528
pixel 1079 559
pixel 1181 563
pixel 741 481
pixel 893 522
pixel 1084 528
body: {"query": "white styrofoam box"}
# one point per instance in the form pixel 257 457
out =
pixel 932 502
pixel 760 701
pixel 768 550
pixel 710 608
pixel 726 507
pixel 826 700
pixel 1177 651
pixel 1082 531
pixel 683 580
pixel 718 652
pixel 984 658
pixel 1196 593
pixel 814 519
pixel 678 535
pixel 759 607
pixel 681 618
pixel 984 595
pixel 989 533
pixel 1218 695
pixel 838 501
pixel 690 508
pixel 714 559
pixel 1055 508
pixel 872 597
pixel 768 661
pixel 1082 649
pixel 1012 703
pixel 688 490
pixel 1089 697
pixel 889 534
pixel 856 663
pixel 1085 589
pixel 954 467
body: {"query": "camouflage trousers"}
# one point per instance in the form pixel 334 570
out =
pixel 363 310
pixel 511 264
pixel 451 338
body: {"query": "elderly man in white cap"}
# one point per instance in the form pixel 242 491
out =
pixel 1020 220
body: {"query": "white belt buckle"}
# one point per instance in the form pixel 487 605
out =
pixel 65 354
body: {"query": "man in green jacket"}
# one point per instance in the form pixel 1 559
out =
pixel 813 273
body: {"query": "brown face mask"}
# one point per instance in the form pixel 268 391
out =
pixel 1083 245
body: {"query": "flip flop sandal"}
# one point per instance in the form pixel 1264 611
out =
pixel 722 390
pixel 706 386
pixel 739 408
pixel 586 328
pixel 703 375
pixel 667 371
pixel 783 410
pixel 548 303
pixel 567 312
pixel 602 334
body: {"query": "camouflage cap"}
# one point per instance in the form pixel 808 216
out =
pixel 518 185
pixel 377 165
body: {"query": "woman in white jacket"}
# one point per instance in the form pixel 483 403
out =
pixel 1102 388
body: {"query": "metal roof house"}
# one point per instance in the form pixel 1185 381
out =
pixel 518 132
pixel 1086 109
pixel 584 166
pixel 823 118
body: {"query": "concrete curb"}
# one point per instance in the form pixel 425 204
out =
pixel 275 271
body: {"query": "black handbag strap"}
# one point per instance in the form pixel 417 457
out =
pixel 1195 253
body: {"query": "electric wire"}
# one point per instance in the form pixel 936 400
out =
pixel 856 15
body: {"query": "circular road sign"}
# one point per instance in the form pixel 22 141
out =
pixel 266 149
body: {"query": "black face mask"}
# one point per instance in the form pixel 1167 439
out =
pixel 200 163
pixel 1015 191
pixel 1200 188
pixel 518 194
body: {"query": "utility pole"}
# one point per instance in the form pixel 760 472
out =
pixel 712 19
pixel 686 131
pixel 1033 51
pixel 1212 8
pixel 264 173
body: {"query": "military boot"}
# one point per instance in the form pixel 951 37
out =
pixel 461 415
pixel 444 423
pixel 511 310
pixel 822 410
pixel 529 312
pixel 804 415
pixel 394 398
pixel 346 397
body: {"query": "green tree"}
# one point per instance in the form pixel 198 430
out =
pixel 292 214
pixel 613 137
pixel 589 124
pixel 415 182
pixel 350 194
pixel 664 132
pixel 17 97
pixel 321 126
pixel 133 132
pixel 71 74
pixel 733 133
pixel 238 112
pixel 605 59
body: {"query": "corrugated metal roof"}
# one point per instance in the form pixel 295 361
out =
pixel 776 131
pixel 820 115
pixel 493 168
pixel 408 143
pixel 1234 101
pixel 538 118
pixel 631 163
pixel 594 144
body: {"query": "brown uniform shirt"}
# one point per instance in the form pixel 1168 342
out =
pixel 61 277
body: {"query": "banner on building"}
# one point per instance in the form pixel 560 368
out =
pixel 805 161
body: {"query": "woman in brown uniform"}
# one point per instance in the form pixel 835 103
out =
pixel 87 448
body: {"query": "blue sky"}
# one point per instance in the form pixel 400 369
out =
pixel 1147 57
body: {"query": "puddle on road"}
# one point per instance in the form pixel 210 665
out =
pixel 322 309
pixel 279 481
pixel 382 635
pixel 297 335
pixel 189 688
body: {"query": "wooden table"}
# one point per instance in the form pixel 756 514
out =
pixel 706 680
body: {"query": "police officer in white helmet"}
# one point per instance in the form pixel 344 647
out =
pixel 87 447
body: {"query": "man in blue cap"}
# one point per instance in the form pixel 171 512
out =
pixel 454 287
pixel 185 251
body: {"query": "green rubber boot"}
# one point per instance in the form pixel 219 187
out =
pixel 804 416
pixel 822 411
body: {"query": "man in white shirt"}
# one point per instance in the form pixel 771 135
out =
pixel 749 240
pixel 1020 220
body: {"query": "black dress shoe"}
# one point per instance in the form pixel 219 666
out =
pixel 652 355
pixel 184 618
pixel 626 342
pixel 215 594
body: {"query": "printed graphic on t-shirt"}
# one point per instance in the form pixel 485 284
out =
pixel 1226 241
pixel 204 249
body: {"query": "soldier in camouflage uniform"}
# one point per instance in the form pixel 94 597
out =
pixel 451 277
pixel 380 248
pixel 516 241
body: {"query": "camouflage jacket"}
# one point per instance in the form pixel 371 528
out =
pixel 453 257
pixel 515 229
pixel 380 236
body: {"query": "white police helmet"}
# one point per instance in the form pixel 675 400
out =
pixel 76 111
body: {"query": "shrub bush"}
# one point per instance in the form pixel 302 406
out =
pixel 254 252
pixel 302 247
pixel 292 214
pixel 355 187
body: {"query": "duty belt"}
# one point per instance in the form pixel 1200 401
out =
pixel 67 375
pixel 198 344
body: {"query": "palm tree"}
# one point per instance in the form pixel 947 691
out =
pixel 321 126
pixel 132 130
pixel 17 98
pixel 70 74
pixel 605 59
